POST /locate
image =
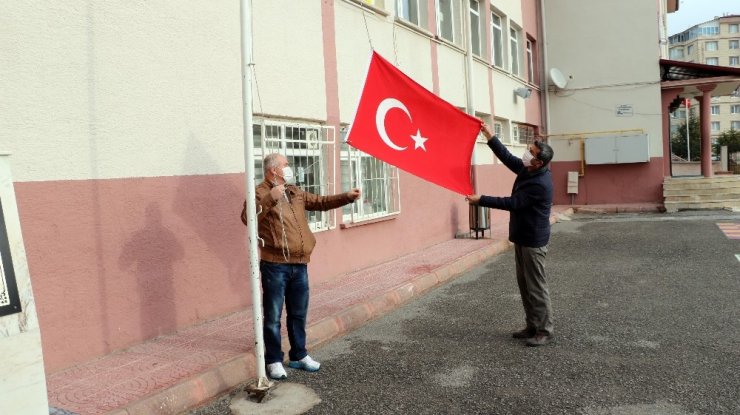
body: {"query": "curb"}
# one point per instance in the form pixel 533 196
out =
pixel 208 385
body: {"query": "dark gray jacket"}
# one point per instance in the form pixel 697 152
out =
pixel 530 201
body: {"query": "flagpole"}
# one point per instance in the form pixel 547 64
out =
pixel 469 85
pixel 263 384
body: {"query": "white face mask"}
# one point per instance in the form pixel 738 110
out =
pixel 288 175
pixel 527 158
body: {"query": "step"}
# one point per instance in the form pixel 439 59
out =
pixel 720 204
pixel 714 183
pixel 700 192
pixel 704 197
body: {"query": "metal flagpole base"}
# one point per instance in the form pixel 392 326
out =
pixel 259 390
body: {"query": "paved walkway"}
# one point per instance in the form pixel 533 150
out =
pixel 171 374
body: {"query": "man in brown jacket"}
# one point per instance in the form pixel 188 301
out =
pixel 288 242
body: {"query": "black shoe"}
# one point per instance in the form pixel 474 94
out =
pixel 539 339
pixel 524 334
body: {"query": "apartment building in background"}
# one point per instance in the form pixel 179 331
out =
pixel 714 42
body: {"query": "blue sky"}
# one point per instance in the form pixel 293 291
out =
pixel 691 12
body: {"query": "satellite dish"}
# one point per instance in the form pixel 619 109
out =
pixel 557 78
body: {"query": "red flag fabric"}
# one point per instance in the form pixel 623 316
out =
pixel 405 125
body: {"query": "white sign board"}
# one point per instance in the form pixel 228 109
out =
pixel 625 110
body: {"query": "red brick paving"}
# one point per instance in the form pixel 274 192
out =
pixel 170 374
pixel 730 229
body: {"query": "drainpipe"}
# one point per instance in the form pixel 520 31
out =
pixel 545 101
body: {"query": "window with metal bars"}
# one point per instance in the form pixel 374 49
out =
pixel 378 181
pixel 309 149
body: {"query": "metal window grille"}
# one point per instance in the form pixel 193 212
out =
pixel 378 182
pixel 310 153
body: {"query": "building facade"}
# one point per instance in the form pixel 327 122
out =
pixel 124 125
pixel 715 42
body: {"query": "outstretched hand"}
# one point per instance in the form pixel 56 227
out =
pixel 472 199
pixel 353 194
pixel 485 129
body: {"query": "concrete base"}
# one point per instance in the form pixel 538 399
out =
pixel 284 399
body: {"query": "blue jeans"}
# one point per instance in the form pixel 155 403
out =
pixel 284 283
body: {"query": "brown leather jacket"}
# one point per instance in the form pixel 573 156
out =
pixel 300 240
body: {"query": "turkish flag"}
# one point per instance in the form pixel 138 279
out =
pixel 406 125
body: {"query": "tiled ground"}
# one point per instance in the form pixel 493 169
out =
pixel 124 378
pixel 731 230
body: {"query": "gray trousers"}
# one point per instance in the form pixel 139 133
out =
pixel 530 275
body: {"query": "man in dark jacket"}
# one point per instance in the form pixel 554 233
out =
pixel 282 223
pixel 529 230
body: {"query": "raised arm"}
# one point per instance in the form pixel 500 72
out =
pixel 511 161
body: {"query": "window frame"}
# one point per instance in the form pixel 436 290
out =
pixel 713 48
pixel 477 31
pixel 456 26
pixel 353 164
pixel 733 58
pixel 500 43
pixel 321 147
pixel 713 123
pixel 735 109
pixel 422 17
pixel 530 61
pixel 515 54
pixel 734 124
pixel 714 110
pixel 712 59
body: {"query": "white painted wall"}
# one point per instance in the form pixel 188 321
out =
pixel 110 89
pixel 289 58
pixel 611 63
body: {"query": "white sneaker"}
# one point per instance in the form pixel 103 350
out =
pixel 276 371
pixel 307 364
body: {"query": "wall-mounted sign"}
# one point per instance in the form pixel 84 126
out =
pixel 9 300
pixel 625 110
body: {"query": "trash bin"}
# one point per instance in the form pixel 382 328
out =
pixel 479 218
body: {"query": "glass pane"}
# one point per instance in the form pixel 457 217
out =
pixel 475 33
pixel 445 19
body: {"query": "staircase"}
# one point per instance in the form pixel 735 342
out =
pixel 696 193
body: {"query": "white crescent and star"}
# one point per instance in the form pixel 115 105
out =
pixel 385 106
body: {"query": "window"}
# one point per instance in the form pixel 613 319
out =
pixel 733 28
pixel 448 21
pixel 734 60
pixel 498 129
pixel 514 51
pixel 309 150
pixel 475 27
pixel 413 11
pixel 530 62
pixel 735 109
pixel 712 61
pixel 715 109
pixel 514 133
pixel 497 46
pixel 523 133
pixel 676 53
pixel 378 182
pixel 690 49
pixel 711 46
pixel 734 44
pixel 735 125
pixel 715 125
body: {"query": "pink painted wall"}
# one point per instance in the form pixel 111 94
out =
pixel 117 262
pixel 610 183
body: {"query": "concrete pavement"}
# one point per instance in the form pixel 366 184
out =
pixel 171 374
pixel 646 323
